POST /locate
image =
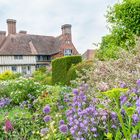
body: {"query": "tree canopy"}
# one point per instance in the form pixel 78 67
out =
pixel 124 25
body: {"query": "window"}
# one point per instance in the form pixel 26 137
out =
pixel 29 68
pixel 67 52
pixel 67 42
pixel 14 68
pixel 18 57
pixel 43 58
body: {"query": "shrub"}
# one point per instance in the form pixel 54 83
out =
pixel 72 73
pixel 19 89
pixel 61 66
pixel 47 80
pixel 42 75
pixel 8 75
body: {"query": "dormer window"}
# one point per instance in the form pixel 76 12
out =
pixel 67 52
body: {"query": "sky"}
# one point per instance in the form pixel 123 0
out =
pixel 45 17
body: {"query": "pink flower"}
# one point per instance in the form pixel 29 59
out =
pixel 8 126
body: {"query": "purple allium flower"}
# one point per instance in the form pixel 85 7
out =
pixel 138 82
pixel 134 137
pixel 82 125
pixel 113 115
pixel 46 109
pixel 94 129
pixel 123 112
pixel 43 131
pixel 85 122
pixel 79 133
pixel 138 110
pixel 4 102
pixel 104 118
pixel 95 135
pixel 61 122
pixel 47 118
pixel 75 127
pixel 63 128
pixel 135 90
pixel 135 118
pixel 123 99
pixel 113 126
pixel 72 131
pixel 75 91
pixel 138 102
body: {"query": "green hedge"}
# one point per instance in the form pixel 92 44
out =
pixel 72 75
pixel 60 67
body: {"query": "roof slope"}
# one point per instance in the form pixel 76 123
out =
pixel 25 44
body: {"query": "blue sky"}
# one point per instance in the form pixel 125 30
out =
pixel 45 17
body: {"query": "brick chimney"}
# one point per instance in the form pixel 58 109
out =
pixel 2 36
pixel 11 24
pixel 66 31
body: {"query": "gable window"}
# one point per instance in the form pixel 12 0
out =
pixel 14 68
pixel 67 52
pixel 18 57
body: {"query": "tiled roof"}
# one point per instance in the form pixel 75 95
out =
pixel 26 44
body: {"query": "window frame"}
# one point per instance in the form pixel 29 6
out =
pixel 69 53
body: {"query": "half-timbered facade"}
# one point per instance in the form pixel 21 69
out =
pixel 24 53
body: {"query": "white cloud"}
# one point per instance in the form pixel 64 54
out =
pixel 46 17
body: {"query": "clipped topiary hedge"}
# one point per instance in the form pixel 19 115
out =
pixel 72 75
pixel 60 67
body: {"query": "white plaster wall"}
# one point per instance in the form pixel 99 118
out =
pixel 7 60
pixel 19 69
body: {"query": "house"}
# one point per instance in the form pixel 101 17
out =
pixel 89 54
pixel 24 53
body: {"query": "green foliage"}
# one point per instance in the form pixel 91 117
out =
pixel 80 67
pixel 8 75
pixel 112 44
pixel 47 80
pixel 124 19
pixel 43 76
pixel 61 66
pixel 18 90
pixel 42 69
pixel 126 14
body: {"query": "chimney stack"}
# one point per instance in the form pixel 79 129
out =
pixel 11 23
pixel 2 36
pixel 66 31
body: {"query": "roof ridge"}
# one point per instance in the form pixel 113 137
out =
pixel 33 49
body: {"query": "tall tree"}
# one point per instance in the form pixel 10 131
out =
pixel 124 24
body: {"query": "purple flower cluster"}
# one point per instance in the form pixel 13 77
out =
pixel 4 102
pixel 63 128
pixel 47 118
pixel 46 109
pixel 82 117
pixel 44 131
pixel 86 120
pixel 138 105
